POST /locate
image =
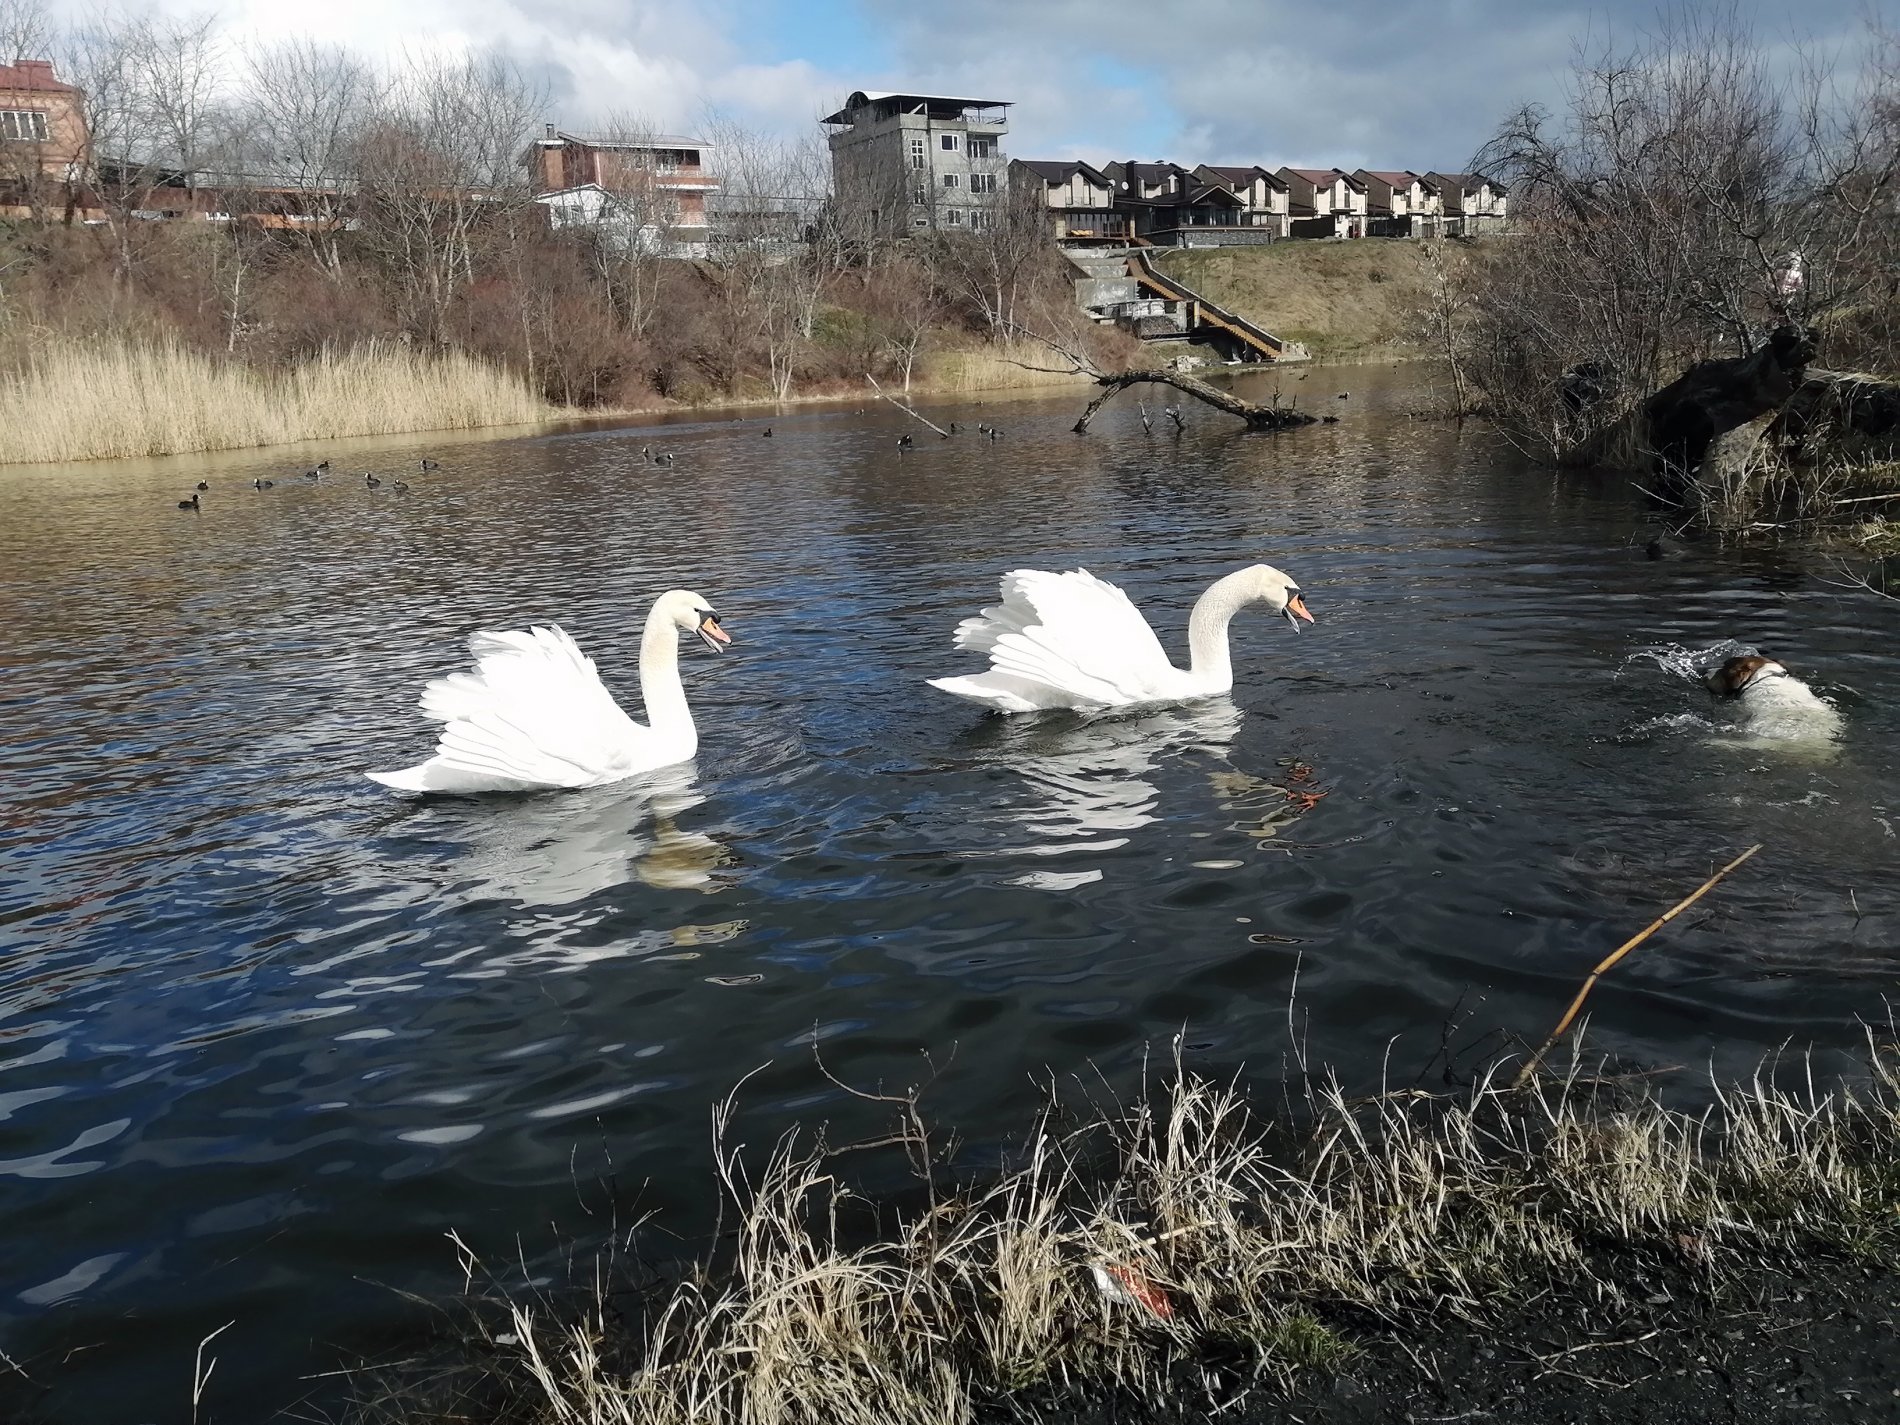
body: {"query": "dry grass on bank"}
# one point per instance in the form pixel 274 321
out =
pixel 1361 298
pixel 1394 1209
pixel 99 401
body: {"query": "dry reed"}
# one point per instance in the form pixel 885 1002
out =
pixel 993 368
pixel 98 401
pixel 1226 1237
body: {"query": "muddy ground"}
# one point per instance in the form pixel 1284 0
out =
pixel 1819 1345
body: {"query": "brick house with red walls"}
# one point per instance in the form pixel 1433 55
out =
pixel 44 144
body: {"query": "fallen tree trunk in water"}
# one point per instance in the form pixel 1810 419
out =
pixel 1748 434
pixel 1712 398
pixel 1256 417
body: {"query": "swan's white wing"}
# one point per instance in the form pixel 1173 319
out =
pixel 1060 640
pixel 534 713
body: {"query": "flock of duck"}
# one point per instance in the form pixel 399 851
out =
pixel 314 475
pixel 534 715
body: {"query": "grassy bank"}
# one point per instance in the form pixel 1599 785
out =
pixel 1358 300
pixel 104 401
pixel 1184 1246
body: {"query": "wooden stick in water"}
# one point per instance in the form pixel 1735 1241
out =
pixel 1655 925
pixel 901 406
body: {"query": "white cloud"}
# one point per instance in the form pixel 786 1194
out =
pixel 1345 82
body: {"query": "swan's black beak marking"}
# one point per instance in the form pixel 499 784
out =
pixel 711 634
pixel 1296 609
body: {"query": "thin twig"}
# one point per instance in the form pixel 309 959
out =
pixel 1530 1066
pixel 201 1373
pixel 1592 1345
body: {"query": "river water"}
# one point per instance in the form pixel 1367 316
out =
pixel 268 1032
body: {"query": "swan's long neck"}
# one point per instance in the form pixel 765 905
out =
pixel 1207 628
pixel 660 688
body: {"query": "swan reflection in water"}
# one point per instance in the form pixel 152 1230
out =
pixel 561 848
pixel 1092 780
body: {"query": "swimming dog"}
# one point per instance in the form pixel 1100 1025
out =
pixel 1775 704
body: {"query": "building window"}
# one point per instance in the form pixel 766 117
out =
pixel 23 125
pixel 953 217
pixel 949 180
pixel 917 153
pixel 982 148
pixel 982 182
pixel 981 220
pixel 949 143
pixel 920 194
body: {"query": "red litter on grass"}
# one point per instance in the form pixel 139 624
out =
pixel 1131 1288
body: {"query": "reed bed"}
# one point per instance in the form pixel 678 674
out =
pixel 1130 1248
pixel 98 401
pixel 992 368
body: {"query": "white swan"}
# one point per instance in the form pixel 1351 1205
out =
pixel 535 714
pixel 1074 641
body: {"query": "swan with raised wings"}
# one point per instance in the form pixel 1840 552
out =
pixel 1075 641
pixel 534 714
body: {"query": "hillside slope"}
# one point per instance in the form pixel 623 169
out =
pixel 1354 299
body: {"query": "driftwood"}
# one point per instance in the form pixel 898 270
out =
pixel 1256 417
pixel 1274 417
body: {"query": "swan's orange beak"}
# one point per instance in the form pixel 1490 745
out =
pixel 1296 609
pixel 712 635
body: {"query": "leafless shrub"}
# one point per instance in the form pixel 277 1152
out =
pixel 1689 196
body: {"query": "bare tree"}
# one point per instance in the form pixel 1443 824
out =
pixel 441 160
pixel 305 110
pixel 638 231
pixel 768 276
pixel 102 57
pixel 1006 252
pixel 179 69
pixel 1690 199
pixel 26 31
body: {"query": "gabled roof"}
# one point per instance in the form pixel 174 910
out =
pixel 33 76
pixel 1211 193
pixel 1470 180
pixel 1059 170
pixel 1394 178
pixel 1185 197
pixel 1241 173
pixel 1324 177
pixel 1157 172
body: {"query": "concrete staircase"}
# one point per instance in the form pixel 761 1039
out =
pixel 1125 286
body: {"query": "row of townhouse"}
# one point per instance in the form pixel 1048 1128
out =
pixel 916 161
pixel 1215 205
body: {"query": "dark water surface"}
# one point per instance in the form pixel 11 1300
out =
pixel 268 1032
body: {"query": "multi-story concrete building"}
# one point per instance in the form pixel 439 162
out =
pixel 920 160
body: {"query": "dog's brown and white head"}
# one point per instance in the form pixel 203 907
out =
pixel 1738 675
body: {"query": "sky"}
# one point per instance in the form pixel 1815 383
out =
pixel 1415 84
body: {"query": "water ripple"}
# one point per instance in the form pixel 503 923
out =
pixel 268 1032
